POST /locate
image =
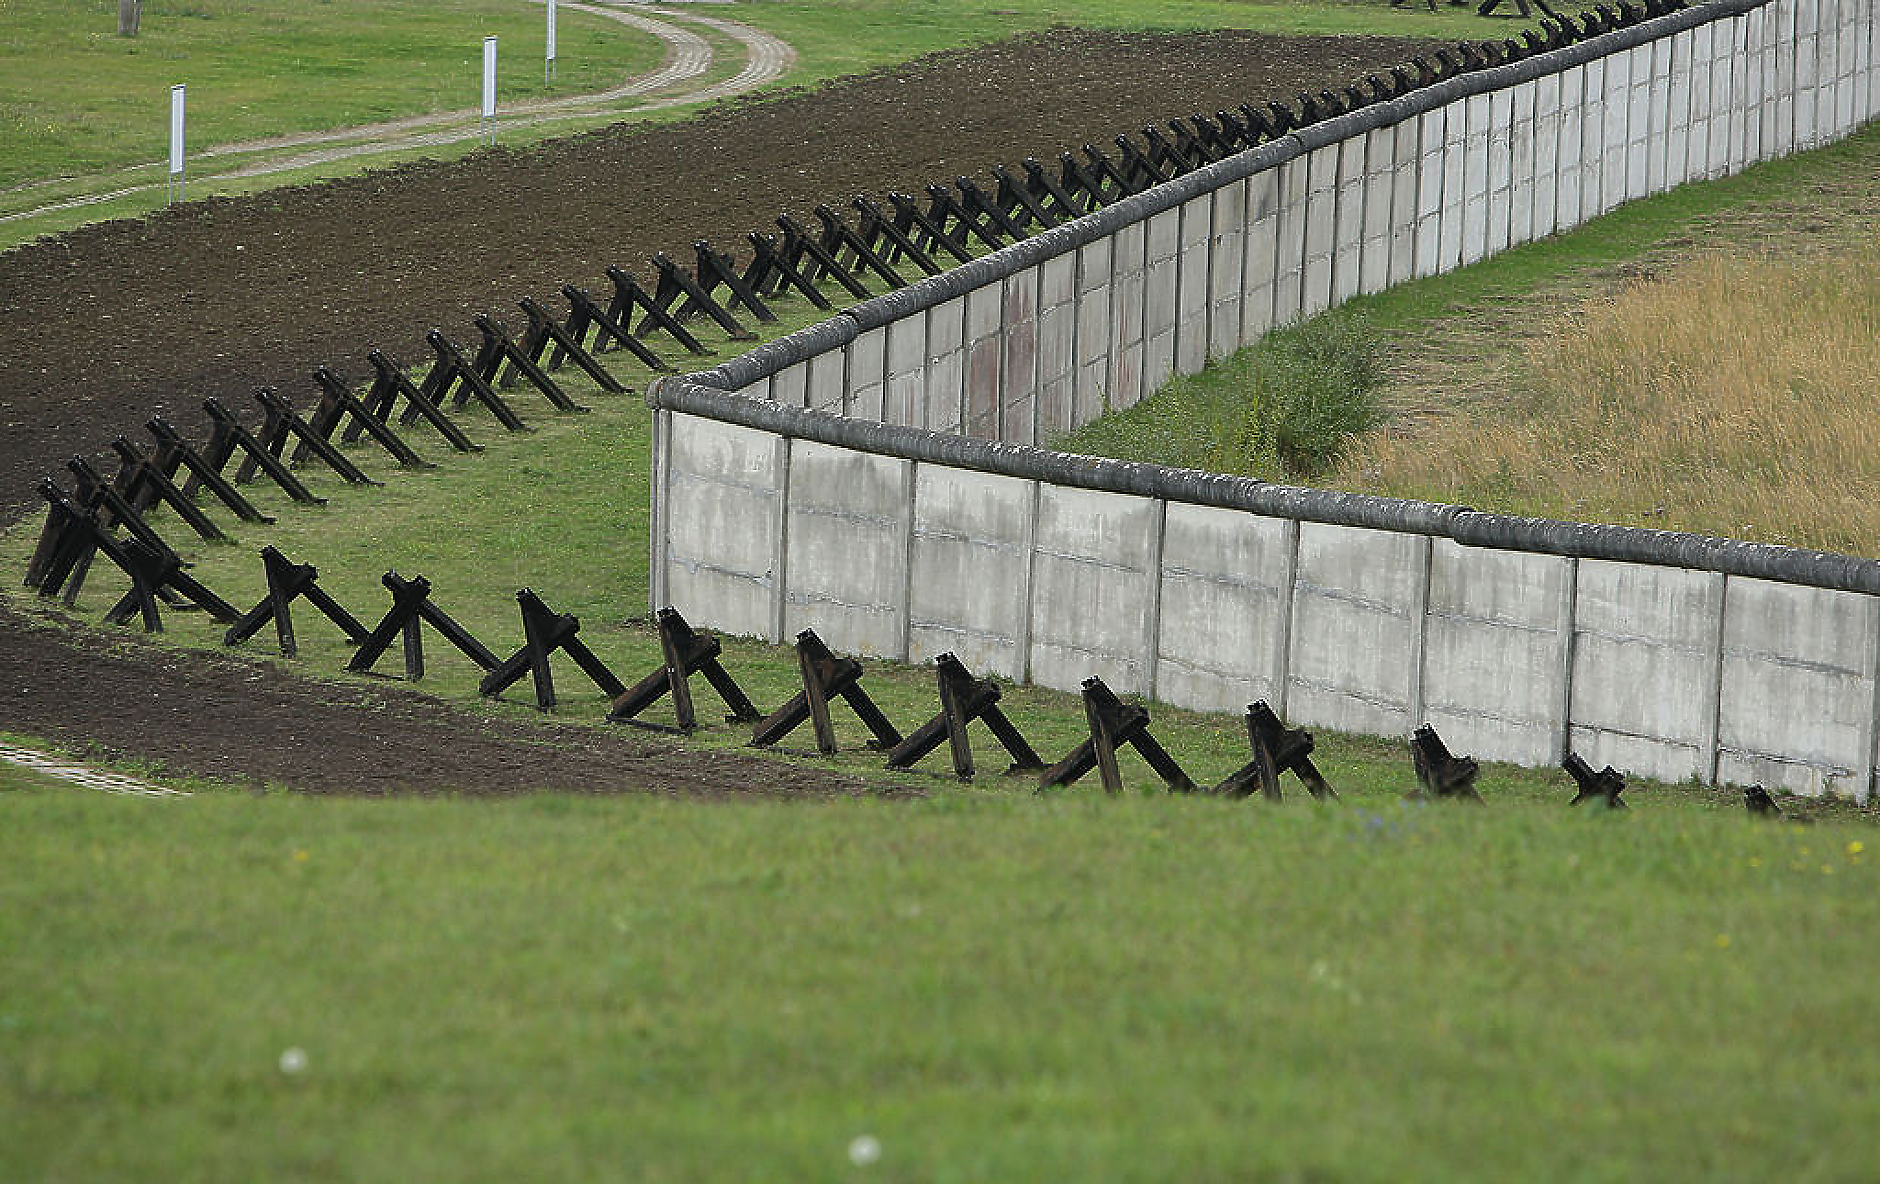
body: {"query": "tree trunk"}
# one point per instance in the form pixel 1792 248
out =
pixel 130 12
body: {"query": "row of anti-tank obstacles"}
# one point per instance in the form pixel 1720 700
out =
pixel 951 226
pixel 826 678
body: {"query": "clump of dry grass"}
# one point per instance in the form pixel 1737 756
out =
pixel 1738 397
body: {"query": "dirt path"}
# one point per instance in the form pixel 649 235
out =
pixel 688 56
pixel 116 321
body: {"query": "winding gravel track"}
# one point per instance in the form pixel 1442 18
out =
pixel 688 56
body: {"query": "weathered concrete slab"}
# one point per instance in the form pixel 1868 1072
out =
pixel 1433 198
pixel 1315 292
pixel 1498 230
pixel 906 395
pixel 1094 306
pixel 1018 374
pixel 1645 668
pixel 1568 192
pixel 1126 315
pixel 1257 313
pixel 790 385
pixel 828 385
pixel 1480 116
pixel 1349 216
pixel 1227 265
pixel 1094 579
pixel 1161 275
pixel 1455 176
pixel 946 366
pixel 1357 624
pixel 1226 592
pixel 724 515
pixel 1496 652
pixel 1521 174
pixel 1289 267
pixel 1678 112
pixel 1614 137
pixel 1722 98
pixel 868 374
pixel 1797 704
pixel 1406 174
pixel 1638 122
pixel 846 554
pixel 1658 111
pixel 971 568
pixel 1196 232
pixel 1057 340
pixel 985 351
pixel 1544 185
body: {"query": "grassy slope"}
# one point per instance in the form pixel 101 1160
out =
pixel 995 988
pixel 1473 389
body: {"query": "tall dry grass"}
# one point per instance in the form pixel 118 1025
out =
pixel 1737 396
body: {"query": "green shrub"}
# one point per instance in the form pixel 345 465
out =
pixel 1279 410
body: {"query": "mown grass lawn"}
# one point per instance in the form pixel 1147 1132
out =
pixel 993 987
pixel 76 98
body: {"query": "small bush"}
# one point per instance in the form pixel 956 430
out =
pixel 1280 410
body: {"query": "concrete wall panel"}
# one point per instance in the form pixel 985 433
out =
pixel 906 395
pixel 1262 247
pixel 1357 619
pixel 1057 342
pixel 1432 168
pixel 1095 558
pixel 1018 365
pixel 1196 231
pixel 1161 294
pixel 985 319
pixel 867 375
pixel 1227 263
pixel 846 548
pixel 1126 316
pixel 971 568
pixel 1380 184
pixel 1348 219
pixel 1226 583
pixel 1496 651
pixel 1093 344
pixel 1797 702
pixel 724 508
pixel 946 366
pixel 1645 668
pixel 1315 291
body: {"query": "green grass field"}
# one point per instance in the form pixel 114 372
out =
pixel 78 99
pixel 992 987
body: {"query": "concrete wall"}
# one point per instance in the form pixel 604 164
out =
pixel 1664 655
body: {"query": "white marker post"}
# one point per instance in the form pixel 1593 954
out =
pixel 176 143
pixel 548 63
pixel 489 86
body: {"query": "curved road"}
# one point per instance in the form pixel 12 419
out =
pixel 688 56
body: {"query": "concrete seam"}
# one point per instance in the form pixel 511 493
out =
pixel 1865 792
pixel 1708 749
pixel 662 508
pixel 1289 584
pixel 1420 613
pixel 906 623
pixel 781 576
pixel 1031 582
pixel 1152 609
pixel 1569 647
